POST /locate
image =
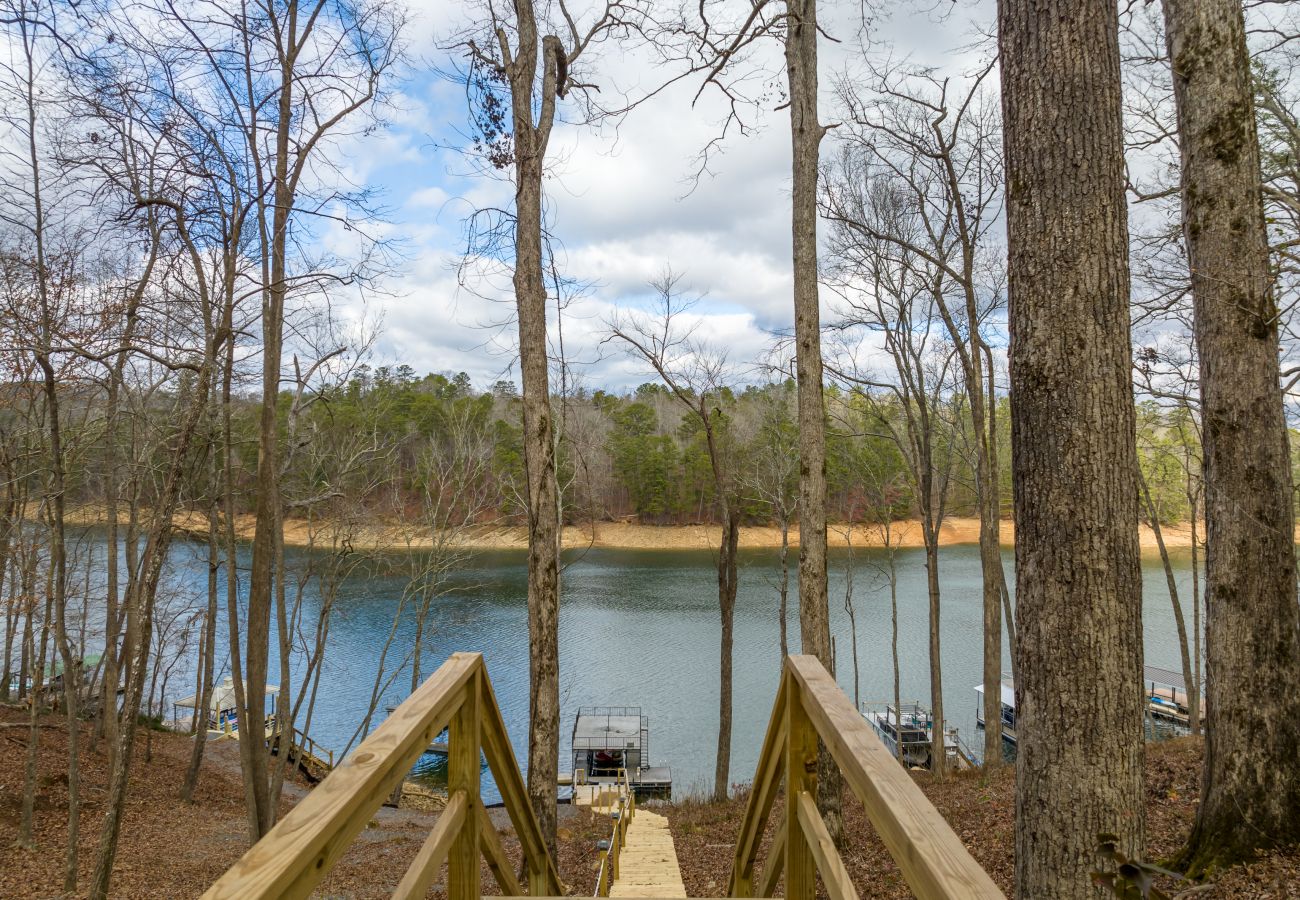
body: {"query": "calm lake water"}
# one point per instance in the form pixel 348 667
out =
pixel 641 628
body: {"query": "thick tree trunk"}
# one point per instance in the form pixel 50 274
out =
pixel 530 141
pixel 806 131
pixel 1074 457
pixel 1251 787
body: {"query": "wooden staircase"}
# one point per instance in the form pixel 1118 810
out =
pixel 648 864
pixel 639 860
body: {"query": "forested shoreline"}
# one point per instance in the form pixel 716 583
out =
pixel 387 446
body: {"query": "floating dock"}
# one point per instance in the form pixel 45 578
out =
pixel 1165 690
pixel 609 740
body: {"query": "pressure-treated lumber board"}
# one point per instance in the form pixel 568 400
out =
pixel 648 864
pixel 767 779
pixel 542 875
pixel 495 854
pixel 463 775
pixel 934 862
pixel 829 865
pixel 424 868
pixel 297 853
pixel 774 865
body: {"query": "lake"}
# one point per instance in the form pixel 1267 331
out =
pixel 641 628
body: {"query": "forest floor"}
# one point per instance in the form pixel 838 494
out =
pixel 169 849
pixel 628 535
pixel 981 810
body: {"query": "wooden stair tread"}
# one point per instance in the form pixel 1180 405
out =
pixel 648 864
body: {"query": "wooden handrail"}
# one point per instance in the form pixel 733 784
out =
pixel 810 706
pixel 607 873
pixel 303 846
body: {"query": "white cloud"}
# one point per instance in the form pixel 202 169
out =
pixel 621 202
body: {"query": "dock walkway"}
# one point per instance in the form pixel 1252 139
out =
pixel 648 866
pixel 645 863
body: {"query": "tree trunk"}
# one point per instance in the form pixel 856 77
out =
pixel 208 643
pixel 1197 692
pixel 55 488
pixel 814 602
pixel 1251 783
pixel 37 670
pixel 938 754
pixel 254 754
pixel 995 475
pixel 852 614
pixel 971 353
pixel 539 463
pixel 986 486
pixel 1074 456
pixel 892 561
pixel 785 586
pixel 727 583
pixel 1153 516
pixel 142 588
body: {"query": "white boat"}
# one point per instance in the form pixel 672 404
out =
pixel 1008 709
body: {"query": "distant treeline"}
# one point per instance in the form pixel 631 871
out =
pixel 388 444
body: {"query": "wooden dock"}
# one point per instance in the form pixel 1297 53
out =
pixel 313 760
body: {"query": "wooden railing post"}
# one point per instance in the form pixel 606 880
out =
pixel 602 879
pixel 800 776
pixel 464 774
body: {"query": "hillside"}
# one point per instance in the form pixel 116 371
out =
pixel 981 811
pixel 171 850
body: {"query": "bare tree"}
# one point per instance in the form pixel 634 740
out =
pixel 696 374
pixel 534 55
pixel 936 140
pixel 890 292
pixel 1159 460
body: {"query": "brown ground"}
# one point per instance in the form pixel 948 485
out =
pixel 633 536
pixel 170 850
pixel 981 811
